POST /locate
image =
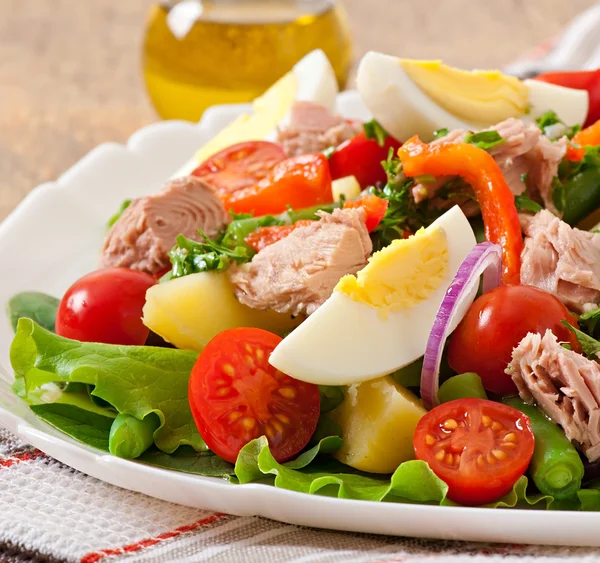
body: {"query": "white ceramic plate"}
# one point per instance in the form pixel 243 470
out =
pixel 54 237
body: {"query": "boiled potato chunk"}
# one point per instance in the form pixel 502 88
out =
pixel 189 311
pixel 378 420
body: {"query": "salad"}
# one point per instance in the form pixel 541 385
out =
pixel 399 309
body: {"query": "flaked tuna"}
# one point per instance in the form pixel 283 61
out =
pixel 298 273
pixel 564 385
pixel 562 260
pixel 144 234
pixel 313 129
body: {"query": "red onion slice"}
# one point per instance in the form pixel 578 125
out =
pixel 486 259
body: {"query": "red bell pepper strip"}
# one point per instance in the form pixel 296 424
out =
pixel 590 136
pixel 479 169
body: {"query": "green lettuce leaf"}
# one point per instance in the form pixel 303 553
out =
pixel 88 427
pixel 135 380
pixel 187 460
pixel 413 481
pixel 94 430
pixel 33 305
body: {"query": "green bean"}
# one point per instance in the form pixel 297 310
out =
pixel 556 468
pixel 582 195
pixel 462 386
pixel 130 437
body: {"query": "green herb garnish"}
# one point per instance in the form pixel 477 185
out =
pixel 118 214
pixel 549 119
pixel 484 139
pixel 374 130
pixel 524 203
pixel 440 133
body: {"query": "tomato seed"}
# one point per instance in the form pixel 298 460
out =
pixel 229 370
pixel 497 425
pixel 248 423
pixel 222 391
pixel 439 455
pixel 449 459
pixel 450 424
pixel 277 425
pixel 283 417
pixel 491 459
pixel 510 437
pixel 430 439
pixel 508 445
pixel 250 362
pixel 233 416
pixel 487 421
pixel 480 461
pixel 287 392
pixel 499 454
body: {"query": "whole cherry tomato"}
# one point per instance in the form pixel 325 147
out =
pixel 105 306
pixel 496 322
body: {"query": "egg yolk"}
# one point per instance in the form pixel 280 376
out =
pixel 480 97
pixel 402 274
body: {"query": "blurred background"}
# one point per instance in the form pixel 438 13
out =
pixel 71 72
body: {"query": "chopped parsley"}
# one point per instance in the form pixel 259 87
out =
pixel 374 130
pixel 440 133
pixel 484 139
pixel 549 119
pixel 524 203
pixel 191 257
pixel 589 322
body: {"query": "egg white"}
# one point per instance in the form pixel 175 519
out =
pixel 346 342
pixel 405 110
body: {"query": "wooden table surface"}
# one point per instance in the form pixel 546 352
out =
pixel 70 71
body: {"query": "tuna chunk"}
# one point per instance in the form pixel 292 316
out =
pixel 298 273
pixel 144 234
pixel 564 384
pixel 525 151
pixel 562 260
pixel 313 129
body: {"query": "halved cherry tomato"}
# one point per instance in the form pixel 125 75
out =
pixel 266 236
pixel 105 306
pixel 478 448
pixel 361 157
pixel 240 166
pixel 496 322
pixel 236 395
pixel 580 80
pixel 299 182
pixel 375 208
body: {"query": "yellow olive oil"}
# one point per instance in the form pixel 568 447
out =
pixel 232 51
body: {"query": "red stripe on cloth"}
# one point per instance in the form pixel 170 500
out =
pixel 18 458
pixel 142 544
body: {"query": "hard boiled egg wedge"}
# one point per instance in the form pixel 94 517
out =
pixel 411 97
pixel 312 79
pixel 379 320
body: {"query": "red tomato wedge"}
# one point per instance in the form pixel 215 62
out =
pixel 266 236
pixel 240 166
pixel 297 182
pixel 361 157
pixel 236 396
pixel 478 448
pixel 105 306
pixel 495 324
pixel 375 208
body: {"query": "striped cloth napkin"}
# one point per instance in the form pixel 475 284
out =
pixel 52 513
